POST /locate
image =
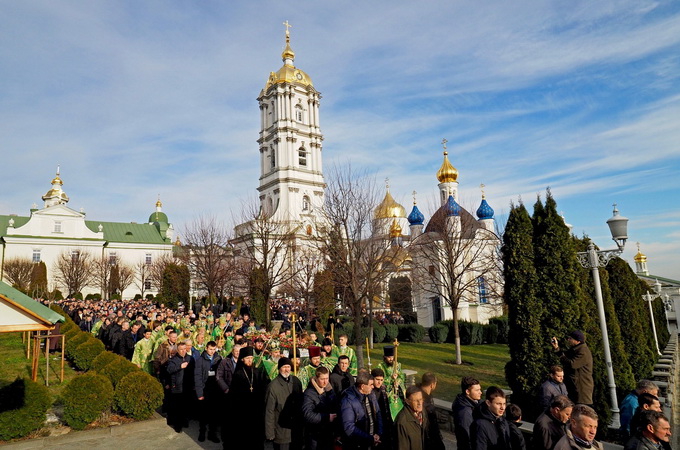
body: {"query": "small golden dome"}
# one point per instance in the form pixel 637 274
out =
pixel 158 203
pixel 178 243
pixel 447 173
pixel 288 52
pixel 639 256
pixel 57 180
pixel 395 229
pixel 389 208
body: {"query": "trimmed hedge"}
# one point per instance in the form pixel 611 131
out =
pixel 102 360
pixel 86 352
pixel 438 333
pixel 503 328
pixel 138 395
pixel 411 332
pixel 70 334
pixel 23 405
pixel 117 369
pixel 73 343
pixel 85 398
pixel 391 332
pixel 379 332
pixel 490 333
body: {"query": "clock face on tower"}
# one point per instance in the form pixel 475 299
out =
pixel 298 76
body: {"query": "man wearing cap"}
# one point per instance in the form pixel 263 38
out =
pixel 578 367
pixel 395 380
pixel 283 405
pixel 314 363
pixel 327 358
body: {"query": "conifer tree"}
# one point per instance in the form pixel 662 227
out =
pixel 38 286
pixel 631 312
pixel 661 323
pixel 526 369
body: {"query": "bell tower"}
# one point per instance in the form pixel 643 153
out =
pixel 291 176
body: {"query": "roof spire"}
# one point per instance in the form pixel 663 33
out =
pixel 288 54
pixel 481 187
pixel 414 196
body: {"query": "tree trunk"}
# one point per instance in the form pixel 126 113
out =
pixel 358 342
pixel 456 333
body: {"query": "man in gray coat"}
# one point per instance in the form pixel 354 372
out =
pixel 283 405
pixel 552 387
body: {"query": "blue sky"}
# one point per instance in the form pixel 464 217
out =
pixel 135 99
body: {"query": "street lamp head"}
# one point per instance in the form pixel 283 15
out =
pixel 618 225
pixel 657 287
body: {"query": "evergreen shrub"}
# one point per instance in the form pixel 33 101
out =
pixel 86 352
pixel 56 295
pixel 138 395
pixel 149 296
pixel 117 369
pixel 391 332
pixel 471 333
pixel 438 333
pixel 73 343
pixel 23 405
pixel 85 398
pixel 78 295
pixel 101 360
pixel 502 324
pixel 67 326
pixel 137 297
pixel 379 332
pixel 490 333
pixel 411 332
pixel 72 333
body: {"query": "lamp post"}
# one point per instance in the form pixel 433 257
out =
pixel 648 297
pixel 594 259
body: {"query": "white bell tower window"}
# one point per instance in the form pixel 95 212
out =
pixel 302 156
pixel 305 203
pixel 273 158
pixel 36 255
pixel 299 115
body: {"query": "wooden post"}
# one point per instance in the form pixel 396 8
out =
pixel 28 345
pixel 34 362
pixel 294 358
pixel 47 361
pixel 62 358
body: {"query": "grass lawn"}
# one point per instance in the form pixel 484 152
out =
pixel 484 362
pixel 13 364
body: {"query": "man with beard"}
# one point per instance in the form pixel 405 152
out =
pixel 177 408
pixel 319 410
pixel 207 391
pixel 327 358
pixel 314 363
pixel 246 400
pixel 395 380
pixel 283 401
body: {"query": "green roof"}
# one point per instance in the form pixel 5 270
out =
pixel 28 303
pixel 19 221
pixel 143 233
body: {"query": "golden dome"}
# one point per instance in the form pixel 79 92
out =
pixel 389 208
pixel 639 256
pixel 288 52
pixel 178 243
pixel 447 173
pixel 288 73
pixel 158 203
pixel 57 180
pixel 395 229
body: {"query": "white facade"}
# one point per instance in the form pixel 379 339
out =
pixel 47 233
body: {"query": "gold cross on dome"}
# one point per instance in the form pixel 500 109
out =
pixel 387 184
pixel 288 26
pixel 414 197
pixel 444 142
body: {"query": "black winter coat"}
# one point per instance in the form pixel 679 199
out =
pixel 341 381
pixel 203 382
pixel 462 409
pixel 317 407
pixel 489 432
pixel 179 376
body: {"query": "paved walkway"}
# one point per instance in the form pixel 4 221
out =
pixel 150 434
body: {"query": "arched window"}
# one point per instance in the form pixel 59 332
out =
pixel 298 113
pixel 302 156
pixel 481 283
pixel 305 203
pixel 273 157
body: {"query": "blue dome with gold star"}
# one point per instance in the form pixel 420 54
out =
pixel 416 217
pixel 484 211
pixel 452 208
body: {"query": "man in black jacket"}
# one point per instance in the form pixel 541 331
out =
pixel 551 425
pixel 319 410
pixel 654 433
pixel 177 365
pixel 428 385
pixel 207 391
pixel 341 378
pixel 462 409
pixel 490 430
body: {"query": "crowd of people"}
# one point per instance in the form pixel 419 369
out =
pixel 220 369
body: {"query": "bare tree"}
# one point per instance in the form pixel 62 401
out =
pixel 356 249
pixel 17 271
pixel 101 273
pixel 457 259
pixel 126 276
pixel 157 268
pixel 308 263
pixel 207 253
pixel 73 270
pixel 142 276
pixel 265 254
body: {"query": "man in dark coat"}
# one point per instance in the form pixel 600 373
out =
pixel 654 433
pixel 581 430
pixel 578 368
pixel 246 396
pixel 428 385
pixel 551 425
pixel 207 391
pixel 552 387
pixel 319 410
pixel 490 430
pixel 177 409
pixel 381 395
pixel 283 404
pixel 462 409
pixel 410 426
pixel 341 378
pixel 361 421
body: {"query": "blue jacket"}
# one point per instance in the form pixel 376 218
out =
pixel 202 373
pixel 627 408
pixel 354 420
